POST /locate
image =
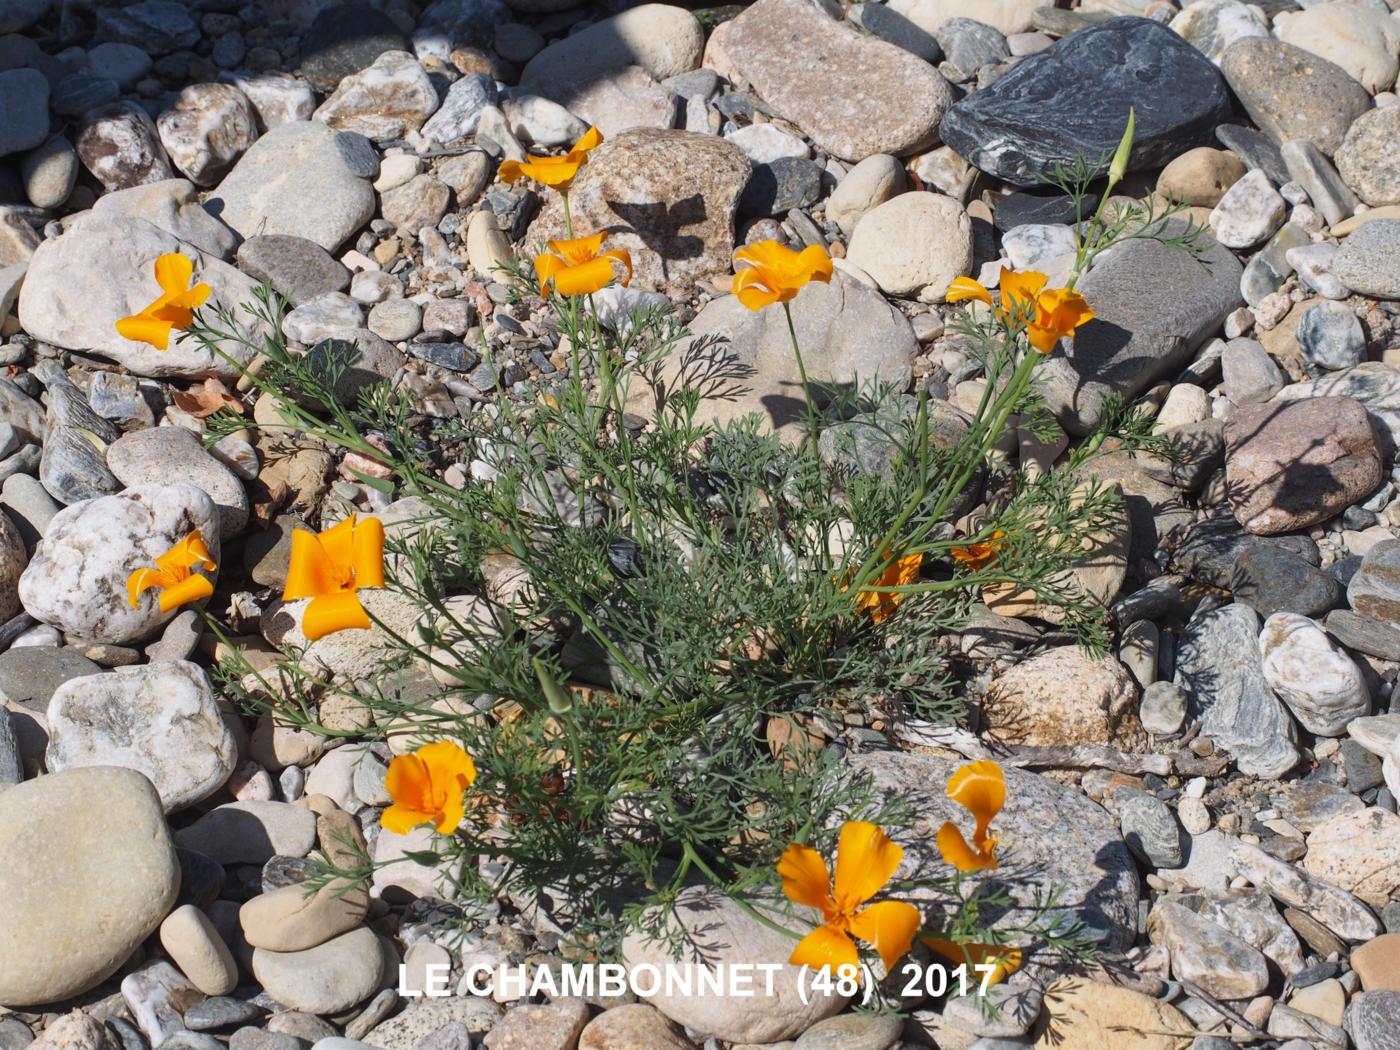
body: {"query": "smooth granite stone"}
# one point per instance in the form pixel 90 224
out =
pixel 1154 306
pixel 1374 1020
pixel 296 267
pixel 1271 579
pixel 1034 117
pixel 1219 667
pixel 1369 259
pixel 1293 94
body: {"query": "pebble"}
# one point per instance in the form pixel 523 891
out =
pixel 1330 337
pixel 1374 589
pixel 1200 176
pixel 1249 373
pixel 1272 579
pixel 914 245
pixel 1310 168
pixel 297 268
pixel 251 832
pixel 1369 260
pixel 1323 688
pixel 54 830
pixel 206 129
pixel 327 979
pixel 195 947
pixel 1250 212
pixel 1207 954
pixel 1163 708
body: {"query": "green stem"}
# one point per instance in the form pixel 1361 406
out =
pixel 568 217
pixel 812 424
pixel 690 855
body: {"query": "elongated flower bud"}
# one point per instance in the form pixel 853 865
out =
pixel 1119 167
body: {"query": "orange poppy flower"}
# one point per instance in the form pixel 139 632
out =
pixel 775 273
pixel 580 267
pixel 1005 961
pixel 880 604
pixel 175 307
pixel 174 575
pixel 1047 313
pixel 980 788
pixel 976 555
pixel 427 788
pixel 866 859
pixel 329 568
pixel 557 172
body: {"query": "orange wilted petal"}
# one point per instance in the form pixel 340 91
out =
pixel 141 581
pixel 191 589
pixel 865 860
pixel 173 308
pixel 959 854
pixel 173 272
pixel 1019 290
pixel 329 568
pixel 592 139
pixel 585 278
pixel 976 555
pixel 558 172
pixel 889 928
pixel 966 288
pixel 980 788
pixel 174 576
pixel 142 329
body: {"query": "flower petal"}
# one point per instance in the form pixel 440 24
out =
pixel 408 782
pixel 191 589
pixel 310 571
pixel 547 267
pixel 329 613
pixel 402 819
pixel 510 171
pixel 958 853
pixel 141 328
pixel 592 139
pixel 625 258
pixel 966 288
pixel 446 762
pixel 367 552
pixel 173 272
pixel 805 878
pixel 752 292
pixel 1043 339
pixel 1020 289
pixel 813 264
pixel 766 255
pixel 579 250
pixel 339 544
pixel 585 279
pixel 980 788
pixel 825 946
pixel 865 860
pixel 888 927
pixel 1007 960
pixel 141 581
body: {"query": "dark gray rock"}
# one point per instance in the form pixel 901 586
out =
pixel 1330 337
pixel 74 463
pixel 1154 305
pixel 1293 94
pixel 24 98
pixel 1051 835
pixel 75 95
pixel 1374 590
pixel 777 187
pixel 1041 206
pixel 968 45
pixel 1150 829
pixel 1034 118
pixel 158 26
pixel 1364 634
pixel 1210 550
pixel 888 24
pixel 297 268
pixel 14 1033
pixel 345 39
pixel 456 357
pixel 358 154
pixel 1374 1021
pixel 1218 666
pixel 1258 152
pixel 1270 579
pixel 189 1041
pixel 201 878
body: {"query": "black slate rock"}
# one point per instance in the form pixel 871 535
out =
pixel 1041 205
pixel 777 187
pixel 346 39
pixel 1256 151
pixel 1073 98
pixel 1270 579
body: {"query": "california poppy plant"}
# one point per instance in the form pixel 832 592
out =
pixel 174 575
pixel 866 859
pixel 980 788
pixel 329 568
pixel 580 266
pixel 775 273
pixel 880 604
pixel 175 307
pixel 1046 313
pixel 427 787
pixel 1004 960
pixel 556 172
pixel 977 555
